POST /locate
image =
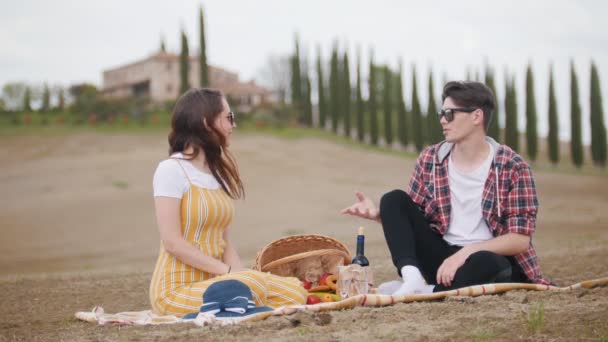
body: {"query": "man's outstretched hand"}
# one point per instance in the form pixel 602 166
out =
pixel 363 208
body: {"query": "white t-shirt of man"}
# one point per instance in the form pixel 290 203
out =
pixel 467 224
pixel 169 179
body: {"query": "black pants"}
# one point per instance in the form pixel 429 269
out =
pixel 411 241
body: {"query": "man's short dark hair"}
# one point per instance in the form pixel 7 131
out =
pixel 472 94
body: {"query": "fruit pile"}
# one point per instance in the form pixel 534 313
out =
pixel 325 291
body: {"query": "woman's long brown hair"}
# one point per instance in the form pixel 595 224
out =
pixel 192 126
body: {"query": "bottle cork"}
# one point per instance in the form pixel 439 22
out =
pixel 360 231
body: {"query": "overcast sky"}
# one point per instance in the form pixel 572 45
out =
pixel 65 41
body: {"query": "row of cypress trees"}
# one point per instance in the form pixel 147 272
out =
pixel 26 105
pixel 598 128
pixel 339 100
pixel 184 58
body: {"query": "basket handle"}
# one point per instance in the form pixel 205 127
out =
pixel 294 257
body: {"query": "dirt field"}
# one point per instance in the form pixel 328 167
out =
pixel 77 230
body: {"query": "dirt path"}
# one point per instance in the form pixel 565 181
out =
pixel 77 229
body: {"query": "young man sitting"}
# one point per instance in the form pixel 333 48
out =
pixel 470 211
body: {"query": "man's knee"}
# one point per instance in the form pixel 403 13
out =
pixel 394 199
pixel 497 265
pixel 487 256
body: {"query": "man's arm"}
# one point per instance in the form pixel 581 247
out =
pixel 365 208
pixel 521 204
pixel 416 188
pixel 508 245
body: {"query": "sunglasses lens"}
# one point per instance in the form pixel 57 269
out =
pixel 447 113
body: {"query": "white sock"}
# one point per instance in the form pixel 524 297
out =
pixel 389 287
pixel 413 282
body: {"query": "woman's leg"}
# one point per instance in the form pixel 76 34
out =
pixel 189 298
pixel 409 238
pixel 284 291
pixel 480 268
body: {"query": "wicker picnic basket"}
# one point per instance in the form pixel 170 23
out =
pixel 279 256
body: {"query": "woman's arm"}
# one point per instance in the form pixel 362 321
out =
pixel 231 256
pixel 168 220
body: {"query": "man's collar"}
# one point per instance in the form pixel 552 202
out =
pixel 445 148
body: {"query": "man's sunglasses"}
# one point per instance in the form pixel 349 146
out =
pixel 231 118
pixel 448 113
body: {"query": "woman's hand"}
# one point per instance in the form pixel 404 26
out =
pixel 363 208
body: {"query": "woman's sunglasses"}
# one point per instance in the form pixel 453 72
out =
pixel 231 118
pixel 448 113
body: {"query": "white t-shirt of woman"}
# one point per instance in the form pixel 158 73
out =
pixel 170 181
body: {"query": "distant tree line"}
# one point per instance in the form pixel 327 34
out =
pixel 383 116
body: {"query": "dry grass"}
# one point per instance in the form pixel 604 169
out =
pixel 78 231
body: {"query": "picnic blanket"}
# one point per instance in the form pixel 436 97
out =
pixel 148 318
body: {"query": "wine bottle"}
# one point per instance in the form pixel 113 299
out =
pixel 360 258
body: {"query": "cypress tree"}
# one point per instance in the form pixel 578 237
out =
pixel 576 144
pixel 388 106
pixel 334 89
pixel 402 122
pixel 27 106
pixel 204 69
pixel 296 82
pixel 346 94
pixel 321 92
pixel 434 126
pixel 515 110
pixel 493 129
pixel 416 115
pixel 307 101
pixel 553 137
pixel 46 104
pixel 184 65
pixel 46 99
pixel 373 111
pixel 598 129
pixel 360 109
pixel 162 45
pixel 531 132
pixel 61 100
pixel 511 131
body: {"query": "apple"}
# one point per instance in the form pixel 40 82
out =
pixel 323 278
pixel 307 285
pixel 312 299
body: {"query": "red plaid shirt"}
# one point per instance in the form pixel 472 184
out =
pixel 510 210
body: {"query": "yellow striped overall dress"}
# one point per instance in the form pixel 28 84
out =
pixel 177 288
